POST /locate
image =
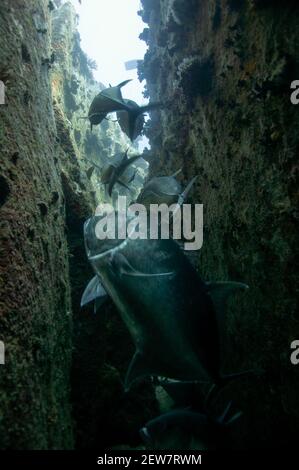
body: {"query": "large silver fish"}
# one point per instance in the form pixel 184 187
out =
pixel 166 307
pixel 114 170
pixel 164 190
pixel 107 101
pixel 160 189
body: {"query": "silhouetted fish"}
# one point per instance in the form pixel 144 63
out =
pixel 112 172
pixel 166 307
pixel 164 190
pixel 132 120
pixel 160 189
pixel 107 101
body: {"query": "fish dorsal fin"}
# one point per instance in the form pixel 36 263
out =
pixel 114 93
pixel 220 292
pixel 93 291
pixel 138 369
pixel 120 85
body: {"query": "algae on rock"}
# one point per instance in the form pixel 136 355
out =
pixel 45 196
pixel 225 69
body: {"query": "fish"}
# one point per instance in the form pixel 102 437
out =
pixel 188 424
pixel 112 167
pixel 164 190
pixel 132 120
pixel 166 306
pixel 107 101
pixel 183 394
pixel 113 174
pixel 160 189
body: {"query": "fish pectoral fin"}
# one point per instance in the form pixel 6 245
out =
pixel 138 369
pixel 126 269
pixel 220 292
pixel 99 301
pixel 94 290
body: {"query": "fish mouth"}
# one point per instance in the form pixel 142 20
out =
pixel 112 245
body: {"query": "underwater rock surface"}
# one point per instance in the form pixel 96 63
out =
pixel 35 319
pixel 224 68
pixel 57 384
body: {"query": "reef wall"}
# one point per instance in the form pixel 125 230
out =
pixel 35 319
pixel 57 383
pixel 223 69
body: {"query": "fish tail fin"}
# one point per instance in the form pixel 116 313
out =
pixel 120 85
pixel 149 107
pixel 133 115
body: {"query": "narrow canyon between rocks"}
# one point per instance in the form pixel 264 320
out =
pixel 221 72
